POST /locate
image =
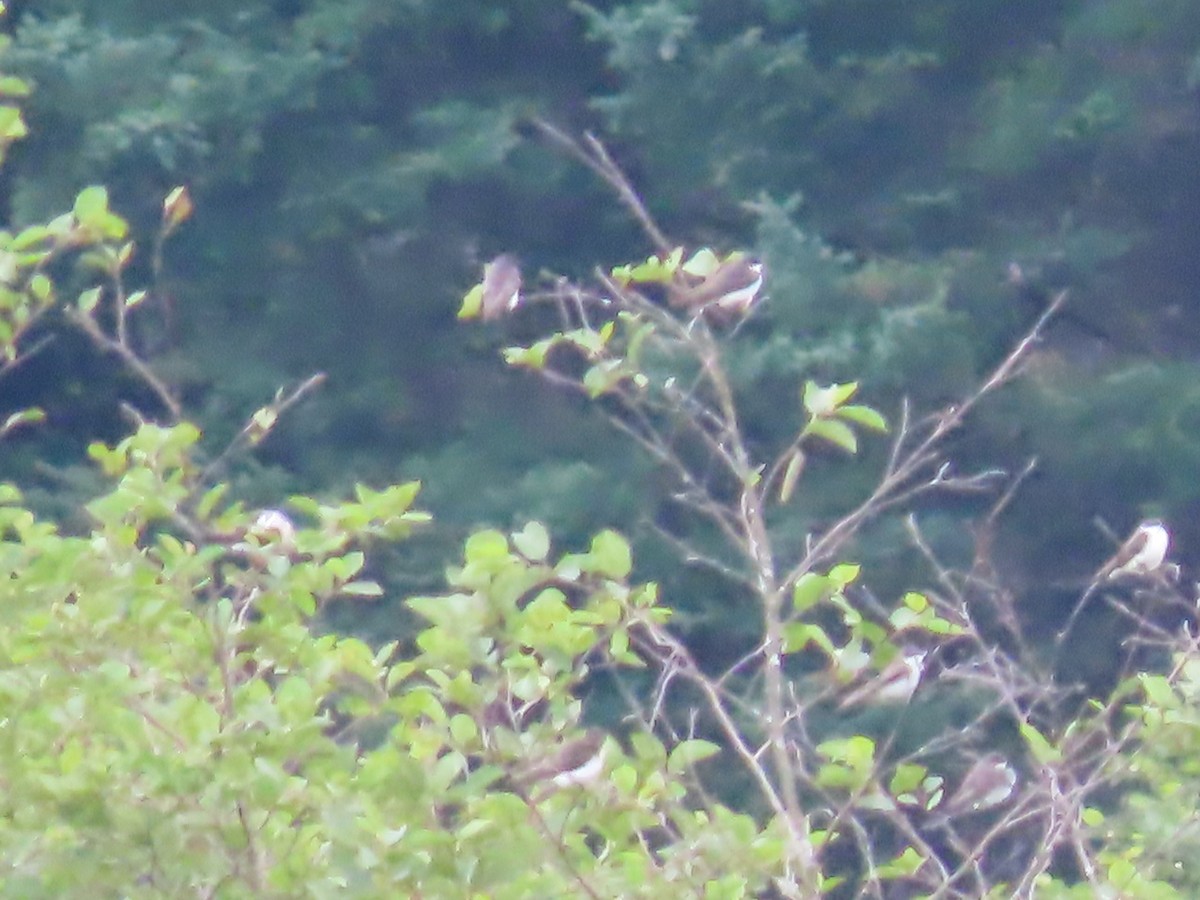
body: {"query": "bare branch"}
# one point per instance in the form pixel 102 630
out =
pixel 596 157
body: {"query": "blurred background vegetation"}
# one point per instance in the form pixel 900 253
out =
pixel 919 177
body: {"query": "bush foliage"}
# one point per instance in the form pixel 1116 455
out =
pixel 179 716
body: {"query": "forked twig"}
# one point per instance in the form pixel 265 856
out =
pixel 596 157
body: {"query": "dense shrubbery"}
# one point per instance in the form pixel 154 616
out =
pixel 178 718
pixel 174 724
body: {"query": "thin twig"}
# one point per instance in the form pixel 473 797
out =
pixel 908 465
pixel 89 327
pixel 252 428
pixel 596 157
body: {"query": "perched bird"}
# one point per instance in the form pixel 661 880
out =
pixel 731 288
pixel 576 763
pixel 501 287
pixel 1142 554
pixel 272 526
pixel 896 683
pixel 989 782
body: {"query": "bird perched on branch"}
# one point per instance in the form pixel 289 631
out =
pixel 988 783
pixel 895 683
pixel 576 763
pixel 501 287
pixel 1143 553
pixel 730 288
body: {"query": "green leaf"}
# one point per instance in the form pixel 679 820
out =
pixel 88 300
pixel 1043 751
pixel 472 304
pixel 835 432
pixel 29 237
pixel 210 500
pixel 1092 817
pixel 361 589
pixel 702 263
pixel 907 778
pixel 798 635
pixel 903 866
pixel 486 547
pixel 41 287
pixel 864 416
pixel 604 376
pixel 463 729
pixel 844 574
pixel 532 541
pixel 12 125
pixel 1158 690
pixel 446 770
pixel 177 208
pixel 823 401
pixel 858 751
pixel 91 205
pixel 810 589
pixel 30 416
pixel 610 555
pixel 791 475
pixel 654 270
pixel 10 86
pixel 688 753
pixel 532 357
pixel 624 778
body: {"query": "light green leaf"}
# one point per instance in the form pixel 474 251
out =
pixel 798 635
pixel 11 86
pixel 91 205
pixel 610 555
pixel 864 416
pixel 1043 751
pixel 791 476
pixel 903 866
pixel 486 547
pixel 30 416
pixel 835 432
pixel 362 589
pixel 810 589
pixel 463 729
pixel 88 300
pixel 41 287
pixel 844 574
pixel 688 753
pixel 532 541
pixel 823 401
pixel 702 263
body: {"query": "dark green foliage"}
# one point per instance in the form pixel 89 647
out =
pixel 356 161
pixel 922 180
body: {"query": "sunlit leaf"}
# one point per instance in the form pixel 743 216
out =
pixel 864 416
pixel 791 476
pixel 688 753
pixel 472 303
pixel 610 555
pixel 1043 751
pixel 532 541
pixel 835 432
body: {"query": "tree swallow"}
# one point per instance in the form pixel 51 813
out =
pixel 896 683
pixel 731 288
pixel 576 763
pixel 1142 554
pixel 989 782
pixel 501 287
